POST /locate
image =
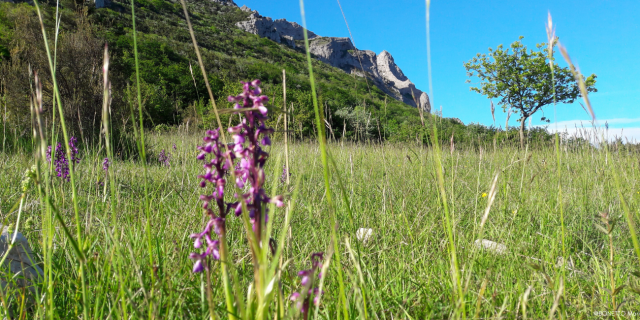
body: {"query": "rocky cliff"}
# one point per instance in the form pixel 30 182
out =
pixel 280 30
pixel 380 69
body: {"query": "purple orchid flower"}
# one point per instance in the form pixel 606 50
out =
pixel 61 163
pixel 74 150
pixel 164 158
pixel 248 138
pixel 303 302
pixel 105 164
pixel 245 159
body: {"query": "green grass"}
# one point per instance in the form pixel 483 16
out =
pixel 392 189
pixel 427 207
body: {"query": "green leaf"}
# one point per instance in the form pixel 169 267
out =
pixel 535 266
pixel 618 289
pixel 79 252
pixel 550 283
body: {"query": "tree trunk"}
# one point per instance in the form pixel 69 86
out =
pixel 522 132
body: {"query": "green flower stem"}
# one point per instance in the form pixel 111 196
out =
pixel 325 166
pixel 56 94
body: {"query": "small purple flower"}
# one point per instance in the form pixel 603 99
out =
pixel 105 164
pixel 174 147
pixel 215 171
pixel 105 168
pixel 285 174
pixel 48 154
pixel 164 158
pixel 74 150
pixel 248 137
pixel 303 302
pixel 61 163
pixel 60 158
pixel 212 246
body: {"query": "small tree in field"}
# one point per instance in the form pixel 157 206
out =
pixel 523 79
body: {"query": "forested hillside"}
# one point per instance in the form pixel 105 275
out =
pixel 173 90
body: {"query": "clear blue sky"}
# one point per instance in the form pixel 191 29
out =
pixel 602 37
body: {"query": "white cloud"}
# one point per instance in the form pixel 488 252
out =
pixel 628 134
pixel 616 122
pixel 627 128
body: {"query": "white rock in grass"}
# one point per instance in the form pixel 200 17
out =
pixel 569 265
pixel 494 247
pixel 364 234
pixel 19 270
pixel 561 263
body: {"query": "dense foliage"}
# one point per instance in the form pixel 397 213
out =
pixel 173 90
pixel 525 81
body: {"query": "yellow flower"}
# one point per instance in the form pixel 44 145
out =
pixel 484 194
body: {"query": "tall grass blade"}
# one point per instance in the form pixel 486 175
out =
pixel 106 101
pixel 443 196
pixel 325 165
pixel 143 157
pixel 74 194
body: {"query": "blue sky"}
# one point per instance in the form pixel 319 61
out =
pixel 602 37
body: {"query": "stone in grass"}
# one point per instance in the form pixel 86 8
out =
pixel 19 270
pixel 561 263
pixel 491 246
pixel 569 265
pixel 364 235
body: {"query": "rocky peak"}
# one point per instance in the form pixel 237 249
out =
pixel 405 90
pixel 340 53
pixel 280 31
pixel 388 66
pixel 381 69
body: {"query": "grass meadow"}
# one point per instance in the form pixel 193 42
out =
pixel 403 271
pixel 118 243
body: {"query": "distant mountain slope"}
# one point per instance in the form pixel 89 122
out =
pixel 173 89
pixel 340 53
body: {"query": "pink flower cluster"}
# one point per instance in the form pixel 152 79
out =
pixel 246 150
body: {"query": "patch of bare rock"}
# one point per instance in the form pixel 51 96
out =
pixel 381 68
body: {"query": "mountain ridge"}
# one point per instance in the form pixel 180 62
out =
pixel 172 90
pixel 339 52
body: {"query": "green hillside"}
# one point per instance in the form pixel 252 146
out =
pixel 171 92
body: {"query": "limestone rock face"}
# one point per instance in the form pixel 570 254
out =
pixel 381 69
pixel 405 90
pixel 340 53
pixel 280 30
pixel 19 270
